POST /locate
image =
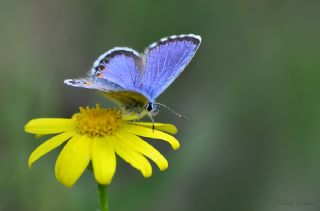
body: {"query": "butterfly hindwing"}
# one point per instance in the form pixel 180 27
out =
pixel 123 97
pixel 127 98
pixel 98 84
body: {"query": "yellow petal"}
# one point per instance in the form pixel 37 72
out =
pixel 169 128
pixel 49 125
pixel 144 148
pixel 49 145
pixel 103 160
pixel 150 133
pixel 132 157
pixel 73 160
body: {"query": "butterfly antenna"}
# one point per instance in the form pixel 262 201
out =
pixel 172 111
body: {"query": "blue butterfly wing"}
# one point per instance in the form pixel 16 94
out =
pixel 165 60
pixel 98 84
pixel 117 73
pixel 122 66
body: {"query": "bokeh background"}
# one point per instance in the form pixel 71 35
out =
pixel 252 141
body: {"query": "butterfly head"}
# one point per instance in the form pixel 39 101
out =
pixel 152 109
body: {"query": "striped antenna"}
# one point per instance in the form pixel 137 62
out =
pixel 172 111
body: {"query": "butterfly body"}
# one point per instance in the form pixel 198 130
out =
pixel 133 105
pixel 134 80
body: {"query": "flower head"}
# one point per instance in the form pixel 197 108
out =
pixel 97 135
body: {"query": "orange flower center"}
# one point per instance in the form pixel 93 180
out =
pixel 97 121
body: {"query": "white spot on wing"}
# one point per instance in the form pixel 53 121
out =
pixel 67 81
pixel 153 45
pixel 174 36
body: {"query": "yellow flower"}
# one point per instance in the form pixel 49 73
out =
pixel 97 135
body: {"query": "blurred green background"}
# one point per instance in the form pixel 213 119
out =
pixel 252 141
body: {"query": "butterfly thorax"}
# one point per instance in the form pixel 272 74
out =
pixel 136 112
pixel 133 112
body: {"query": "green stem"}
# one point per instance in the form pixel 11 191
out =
pixel 103 194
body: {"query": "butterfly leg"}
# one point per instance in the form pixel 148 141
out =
pixel 152 119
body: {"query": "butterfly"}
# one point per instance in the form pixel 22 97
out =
pixel 134 80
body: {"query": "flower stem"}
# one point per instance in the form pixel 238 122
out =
pixel 103 194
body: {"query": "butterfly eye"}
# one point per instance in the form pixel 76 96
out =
pixel 149 106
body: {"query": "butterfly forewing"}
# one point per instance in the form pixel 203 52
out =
pixel 165 60
pixel 122 66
